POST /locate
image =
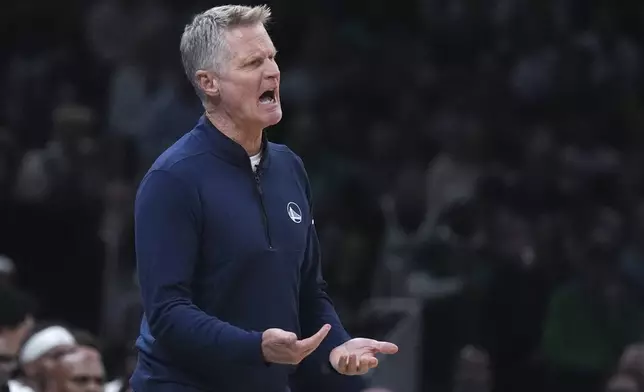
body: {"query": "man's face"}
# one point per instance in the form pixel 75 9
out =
pixel 81 371
pixel 248 82
pixel 10 343
pixel 40 369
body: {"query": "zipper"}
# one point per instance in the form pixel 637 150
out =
pixel 260 192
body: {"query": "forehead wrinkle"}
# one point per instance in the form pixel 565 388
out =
pixel 245 44
pixel 260 52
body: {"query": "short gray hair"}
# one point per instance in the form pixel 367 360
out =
pixel 203 43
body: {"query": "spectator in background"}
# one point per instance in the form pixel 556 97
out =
pixel 452 175
pixel 115 28
pixel 16 321
pixel 40 353
pixel 28 81
pixel 407 227
pixel 85 339
pixel 590 321
pixel 78 371
pixel 511 330
pixel 555 75
pixel 66 169
pixel 147 99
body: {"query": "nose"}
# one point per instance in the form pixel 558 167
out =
pixel 272 70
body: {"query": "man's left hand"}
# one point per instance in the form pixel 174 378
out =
pixel 358 355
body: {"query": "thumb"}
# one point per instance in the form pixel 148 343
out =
pixel 387 348
pixel 314 341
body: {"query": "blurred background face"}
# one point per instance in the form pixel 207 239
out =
pixel 80 371
pixel 41 369
pixel 250 71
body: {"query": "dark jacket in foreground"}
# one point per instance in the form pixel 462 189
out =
pixel 223 254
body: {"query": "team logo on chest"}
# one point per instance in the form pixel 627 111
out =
pixel 294 212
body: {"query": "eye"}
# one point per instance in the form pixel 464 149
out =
pixel 256 62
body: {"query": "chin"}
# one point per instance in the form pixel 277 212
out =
pixel 273 117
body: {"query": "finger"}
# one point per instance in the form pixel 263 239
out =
pixel 373 362
pixel 386 348
pixel 308 350
pixel 353 364
pixel 363 365
pixel 308 345
pixel 342 364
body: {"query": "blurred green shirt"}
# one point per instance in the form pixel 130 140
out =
pixel 578 337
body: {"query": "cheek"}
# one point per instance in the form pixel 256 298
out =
pixel 241 93
pixel 71 386
pixel 243 103
pixel 10 346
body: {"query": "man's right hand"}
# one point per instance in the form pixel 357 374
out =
pixel 279 346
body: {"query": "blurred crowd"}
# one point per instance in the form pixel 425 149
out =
pixel 48 356
pixel 484 157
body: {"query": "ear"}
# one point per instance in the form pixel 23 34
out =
pixel 207 82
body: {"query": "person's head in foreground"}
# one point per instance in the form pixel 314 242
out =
pixel 80 370
pixel 15 324
pixel 229 58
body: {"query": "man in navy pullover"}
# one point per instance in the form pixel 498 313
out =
pixel 227 252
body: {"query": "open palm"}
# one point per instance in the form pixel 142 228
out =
pixel 358 355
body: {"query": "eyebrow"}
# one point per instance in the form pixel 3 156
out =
pixel 256 54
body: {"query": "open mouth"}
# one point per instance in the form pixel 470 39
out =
pixel 267 97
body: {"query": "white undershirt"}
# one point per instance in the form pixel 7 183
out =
pixel 254 160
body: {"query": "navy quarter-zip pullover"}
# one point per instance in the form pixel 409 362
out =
pixel 224 253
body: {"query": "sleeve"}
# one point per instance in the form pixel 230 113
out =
pixel 167 233
pixel 316 309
